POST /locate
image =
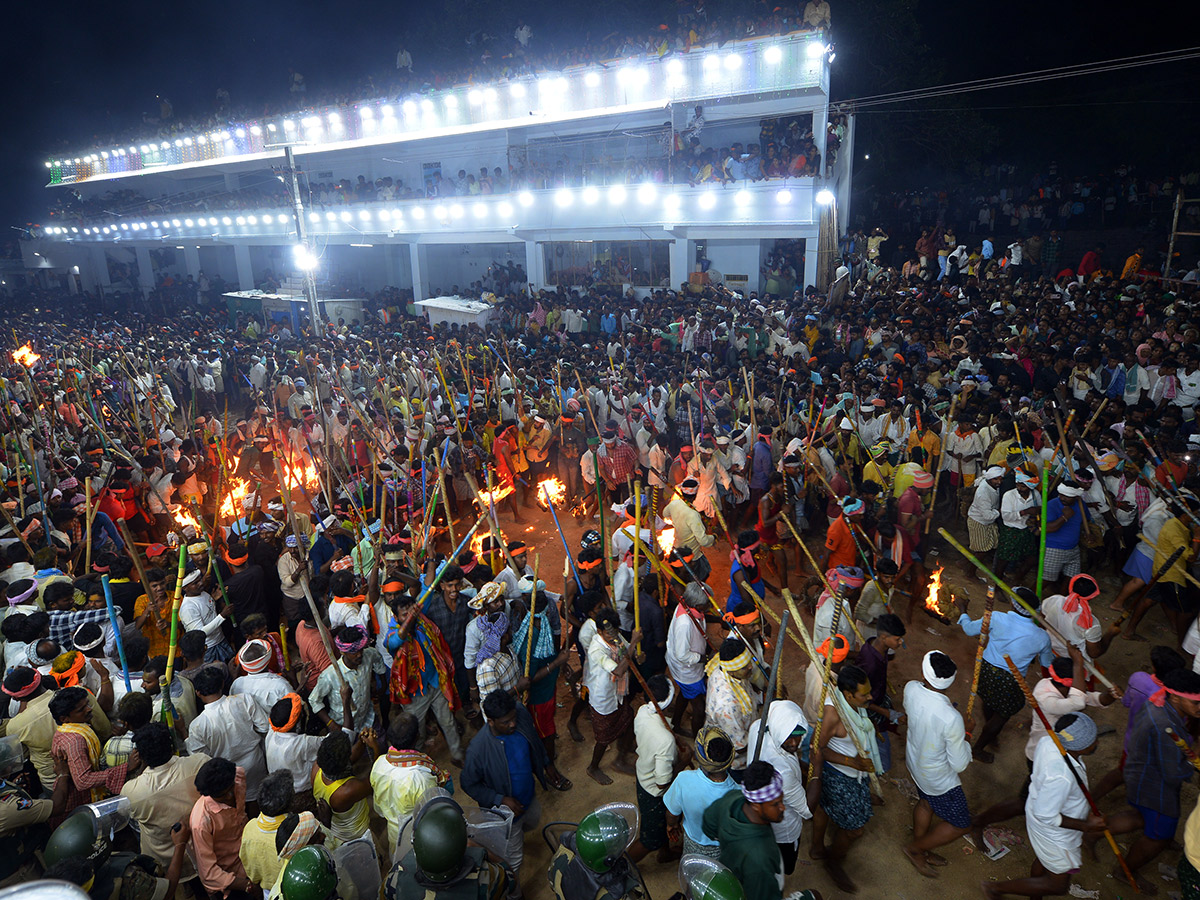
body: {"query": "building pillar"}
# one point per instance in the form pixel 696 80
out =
pixel 232 182
pixel 810 262
pixel 145 269
pixel 245 273
pixel 417 256
pixel 681 261
pixel 821 134
pixel 97 277
pixel 191 260
pixel 535 264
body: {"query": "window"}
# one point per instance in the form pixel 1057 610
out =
pixel 584 263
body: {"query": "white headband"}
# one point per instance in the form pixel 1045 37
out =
pixel 934 681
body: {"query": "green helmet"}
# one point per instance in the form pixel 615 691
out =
pixel 604 834
pixel 76 838
pixel 310 875
pixel 440 839
pixel 703 878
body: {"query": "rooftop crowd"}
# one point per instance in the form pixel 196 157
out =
pixel 277 588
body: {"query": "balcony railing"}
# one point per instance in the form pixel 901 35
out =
pixel 780 64
pixel 578 210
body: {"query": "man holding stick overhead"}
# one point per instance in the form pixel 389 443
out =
pixel 1012 632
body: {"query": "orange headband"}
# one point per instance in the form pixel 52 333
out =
pixel 748 619
pixel 234 560
pixel 588 566
pixel 70 676
pixel 839 653
pixel 392 587
pixel 294 717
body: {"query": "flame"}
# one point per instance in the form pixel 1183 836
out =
pixel 185 518
pixel 933 599
pixel 231 505
pixel 552 490
pixel 495 496
pixel 25 356
pixel 302 476
pixel 666 540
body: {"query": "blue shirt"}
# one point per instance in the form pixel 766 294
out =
pixel 520 766
pixel 760 477
pixel 735 592
pixel 1011 634
pixel 689 795
pixel 608 323
pixel 1067 537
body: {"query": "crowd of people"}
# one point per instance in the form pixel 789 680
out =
pixel 785 149
pixel 665 28
pixel 278 591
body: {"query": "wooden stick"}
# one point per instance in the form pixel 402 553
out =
pixel 983 639
pixel 1029 698
pixel 771 682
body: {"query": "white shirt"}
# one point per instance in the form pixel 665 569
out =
pixel 233 727
pixel 1055 706
pixel 1067 624
pixel 296 753
pixel 936 748
pixel 1013 504
pixel 656 751
pixel 266 688
pixel 1053 794
pixel 199 613
pixel 985 508
pixel 601 684
pixel 326 693
pixel 685 649
pixel 823 622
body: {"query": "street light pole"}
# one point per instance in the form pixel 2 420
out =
pixel 310 281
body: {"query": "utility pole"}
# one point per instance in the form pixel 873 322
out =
pixel 310 281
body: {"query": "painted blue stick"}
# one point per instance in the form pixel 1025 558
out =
pixel 561 536
pixel 116 627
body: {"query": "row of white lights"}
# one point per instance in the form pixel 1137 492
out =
pixel 551 91
pixel 563 199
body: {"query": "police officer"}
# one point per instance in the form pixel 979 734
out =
pixel 79 851
pixel 440 864
pixel 23 818
pixel 590 862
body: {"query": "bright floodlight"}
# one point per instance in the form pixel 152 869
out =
pixel 784 196
pixel 616 195
pixel 305 261
pixel 254 130
pixel 590 194
pixel 418 212
pixel 475 96
pixel 733 61
pixel 646 193
pixel 824 197
pixel 345 216
pixel 314 217
pixel 479 210
pixel 742 198
pixel 364 215
pixel 409 107
pixel 815 49
pixel 592 79
pixel 451 101
pixel 427 105
pixel 504 208
pixel 253 220
pixel 672 202
pixel 708 200
pixel 525 198
pixel 773 55
pixel 564 198
pixel 517 90
pixel 366 112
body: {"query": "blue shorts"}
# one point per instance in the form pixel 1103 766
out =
pixel 691 691
pixel 1156 826
pixel 950 807
pixel 1139 566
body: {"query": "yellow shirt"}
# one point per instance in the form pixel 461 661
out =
pixel 259 857
pixel 398 790
pixel 930 442
pixel 344 826
pixel 880 474
pixel 1173 536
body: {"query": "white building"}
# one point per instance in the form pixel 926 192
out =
pixel 582 129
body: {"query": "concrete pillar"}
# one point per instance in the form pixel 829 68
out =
pixel 232 182
pixel 97 277
pixel 810 261
pixel 845 175
pixel 417 258
pixel 191 260
pixel 145 270
pixel 821 133
pixel 245 273
pixel 681 261
pixel 535 264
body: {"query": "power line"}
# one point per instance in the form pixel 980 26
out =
pixel 1033 77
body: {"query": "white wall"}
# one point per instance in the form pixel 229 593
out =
pixel 460 264
pixel 737 258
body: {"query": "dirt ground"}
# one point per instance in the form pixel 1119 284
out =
pixel 877 862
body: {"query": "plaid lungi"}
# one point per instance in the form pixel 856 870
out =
pixel 1016 544
pixel 999 691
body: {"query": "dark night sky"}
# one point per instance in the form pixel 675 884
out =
pixel 78 68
